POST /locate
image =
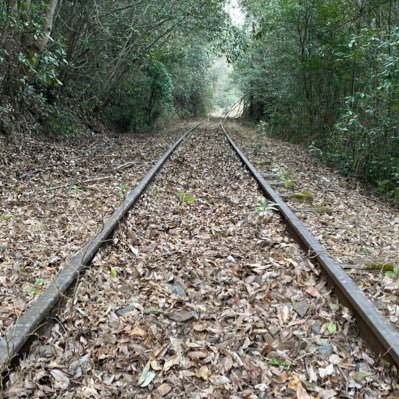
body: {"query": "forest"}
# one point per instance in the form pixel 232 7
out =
pixel 199 199
pixel 125 63
pixel 326 73
pixel 323 73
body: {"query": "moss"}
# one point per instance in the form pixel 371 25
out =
pixel 264 163
pixel 321 209
pixel 288 184
pixel 304 196
pixel 386 267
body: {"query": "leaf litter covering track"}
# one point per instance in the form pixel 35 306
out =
pixel 41 227
pixel 201 297
pixel 358 228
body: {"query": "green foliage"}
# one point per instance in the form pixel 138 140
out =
pixel 160 90
pixel 61 121
pixel 75 189
pixel 265 206
pixel 144 98
pixel 38 286
pixel 364 251
pixel 392 273
pixel 281 363
pixel 29 70
pixel 225 92
pixel 142 64
pixel 129 63
pixel 114 272
pixel 283 176
pixel 121 189
pixel 189 66
pixel 187 198
pixel 262 128
pixel 326 73
pixel 332 328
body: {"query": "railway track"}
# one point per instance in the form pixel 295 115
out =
pixel 198 293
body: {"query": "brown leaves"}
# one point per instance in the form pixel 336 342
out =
pixel 301 393
pixel 61 380
pixel 356 227
pixel 137 331
pixel 182 316
pixel 228 363
pixel 312 291
pixel 41 229
pixel 197 355
pixel 203 372
pixel 164 389
pixel 209 300
pixel 283 314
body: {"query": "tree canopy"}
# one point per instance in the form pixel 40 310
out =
pixel 320 72
pixel 128 61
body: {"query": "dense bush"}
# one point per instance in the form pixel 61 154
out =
pixel 327 72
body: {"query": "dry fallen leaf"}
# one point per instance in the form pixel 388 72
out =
pixel 301 393
pixel 182 315
pixel 313 292
pixel 242 281
pixel 282 377
pixel 228 363
pixel 155 365
pixel 146 376
pixel 220 380
pixel 138 332
pixel 199 327
pixel 173 361
pixel 326 371
pixel 294 382
pixel 312 374
pixel 196 355
pixel 203 372
pixel 283 314
pixel 61 379
pixel 164 389
pixel 328 394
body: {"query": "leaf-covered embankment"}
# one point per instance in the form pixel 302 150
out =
pixel 201 296
pixel 358 228
pixel 54 196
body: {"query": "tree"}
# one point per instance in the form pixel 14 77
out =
pixel 100 54
pixel 326 72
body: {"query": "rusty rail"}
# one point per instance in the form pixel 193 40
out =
pixel 377 331
pixel 35 316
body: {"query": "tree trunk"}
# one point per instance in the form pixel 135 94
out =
pixel 48 23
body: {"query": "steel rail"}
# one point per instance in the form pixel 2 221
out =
pixel 25 326
pixel 378 332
